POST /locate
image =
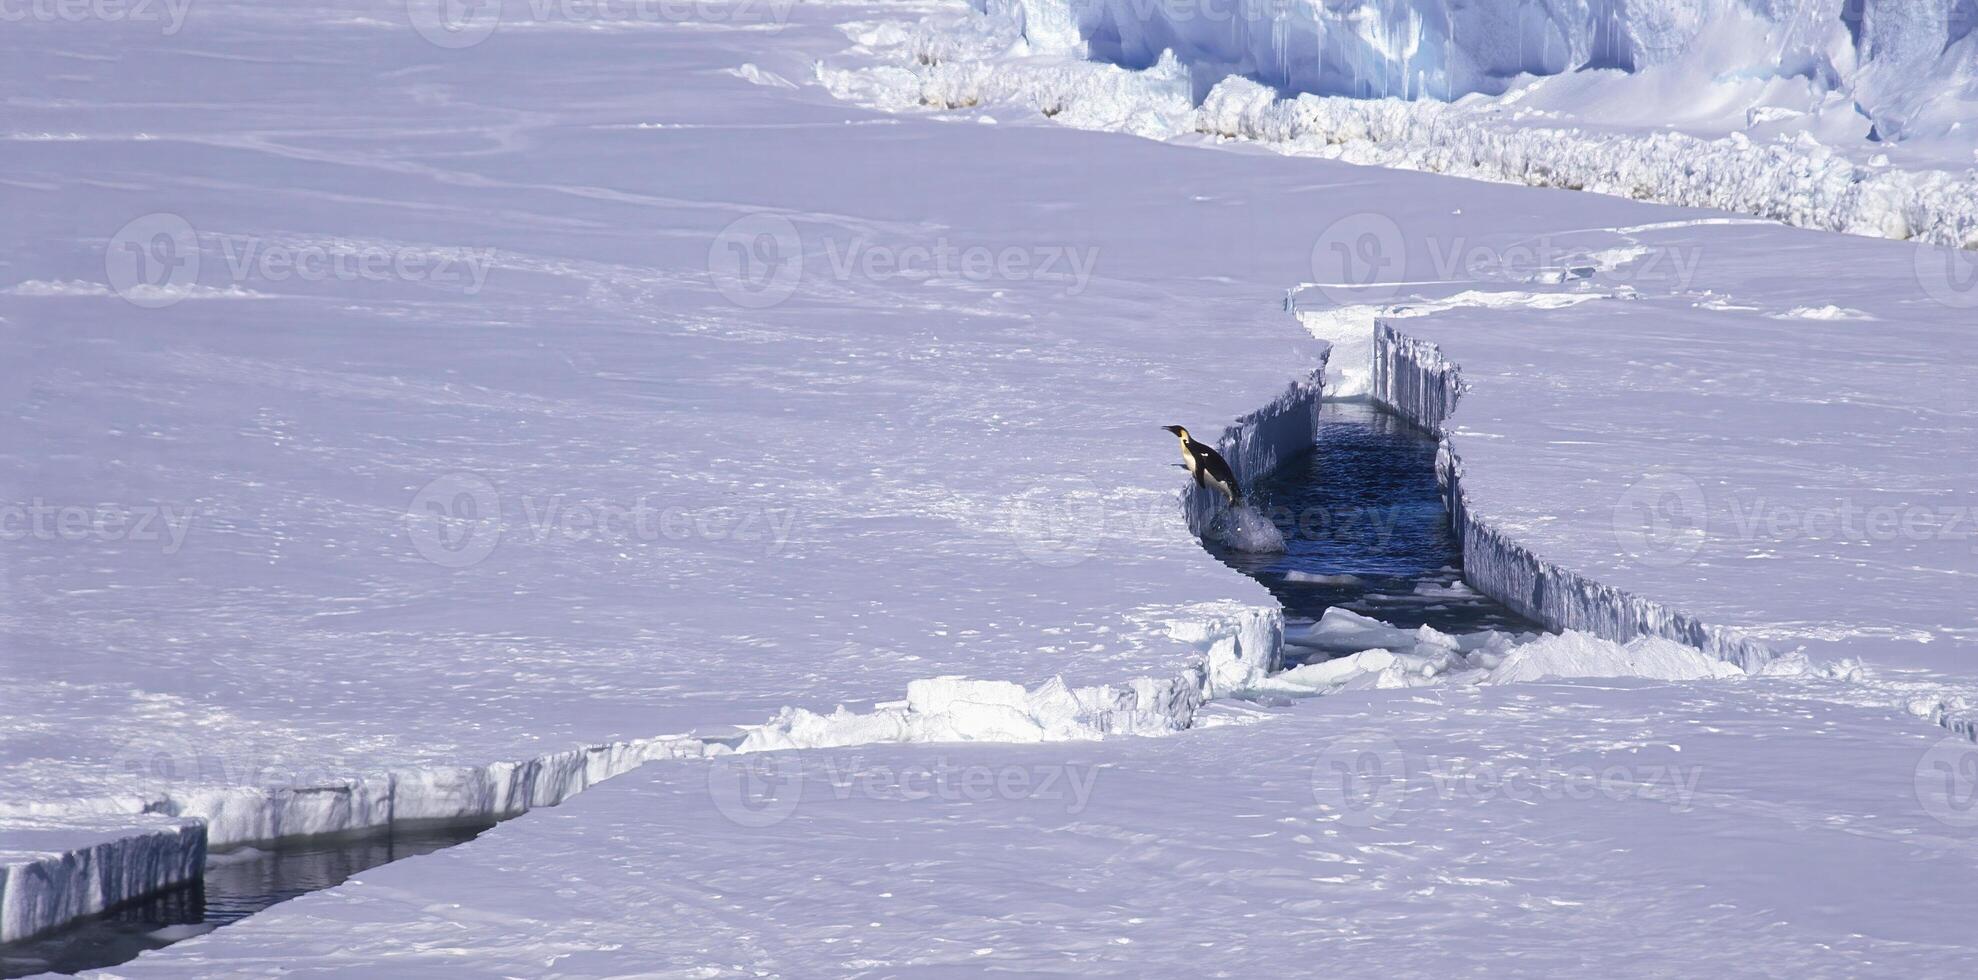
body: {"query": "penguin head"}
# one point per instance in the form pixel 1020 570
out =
pixel 1177 430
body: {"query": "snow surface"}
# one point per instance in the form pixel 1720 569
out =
pixel 937 497
pixel 1749 828
pixel 1805 479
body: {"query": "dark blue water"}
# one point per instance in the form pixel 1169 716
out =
pixel 1366 530
pixel 235 886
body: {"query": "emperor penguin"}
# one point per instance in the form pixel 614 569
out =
pixel 1206 465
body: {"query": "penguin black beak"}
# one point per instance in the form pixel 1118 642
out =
pixel 1173 430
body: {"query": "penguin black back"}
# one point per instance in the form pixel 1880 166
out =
pixel 1206 465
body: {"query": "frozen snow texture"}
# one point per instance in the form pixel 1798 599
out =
pixel 1575 654
pixel 1414 379
pixel 1652 462
pixel 1240 646
pixel 1384 657
pixel 1223 853
pixel 957 709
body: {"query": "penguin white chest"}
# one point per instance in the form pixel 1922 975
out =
pixel 1188 460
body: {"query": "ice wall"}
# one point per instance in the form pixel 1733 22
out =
pixel 1414 379
pixel 1239 645
pixel 69 859
pixel 61 865
pixel 1888 55
pixel 1261 441
pixel 1792 149
pixel 56 872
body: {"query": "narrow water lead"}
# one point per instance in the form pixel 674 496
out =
pixel 236 885
pixel 1366 530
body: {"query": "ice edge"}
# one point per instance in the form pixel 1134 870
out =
pixel 41 890
pixel 1413 379
pixel 1239 645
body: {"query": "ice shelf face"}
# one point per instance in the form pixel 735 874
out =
pixel 1897 61
pixel 1800 113
pixel 56 870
